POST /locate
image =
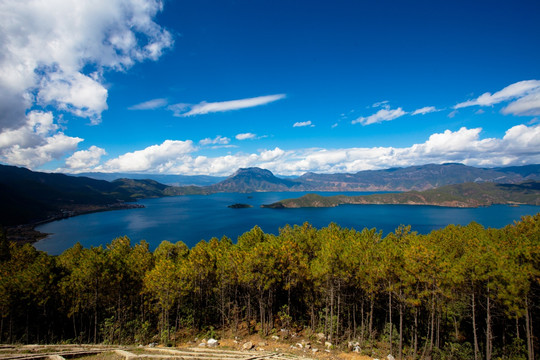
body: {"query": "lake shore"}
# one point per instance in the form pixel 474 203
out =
pixel 27 233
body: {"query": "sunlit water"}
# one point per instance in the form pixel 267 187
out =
pixel 196 217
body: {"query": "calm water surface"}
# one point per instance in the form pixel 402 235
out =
pixel 196 217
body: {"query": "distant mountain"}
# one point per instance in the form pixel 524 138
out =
pixel 416 178
pixel 172 180
pixel 251 180
pixel 530 172
pixel 396 179
pixel 29 196
pixel 457 195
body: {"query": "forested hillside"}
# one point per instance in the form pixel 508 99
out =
pixel 30 196
pixel 462 292
pixel 459 195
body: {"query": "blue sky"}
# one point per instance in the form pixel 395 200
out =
pixel 206 87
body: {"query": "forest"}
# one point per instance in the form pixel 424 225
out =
pixel 455 293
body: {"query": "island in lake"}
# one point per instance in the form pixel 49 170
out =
pixel 461 195
pixel 239 206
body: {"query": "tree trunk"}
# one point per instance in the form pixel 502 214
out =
pixel 331 337
pixel 473 304
pixel 488 326
pixel 313 325
pixel 338 311
pixel 95 314
pixel 326 317
pixel 432 332
pixel 438 334
pixel 371 317
pixel 529 330
pixel 261 309
pixel 400 328
pixel 415 331
pixel 354 320
pixel 390 319
pixel 75 328
pixel 362 324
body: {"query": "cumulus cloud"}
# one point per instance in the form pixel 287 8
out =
pixel 204 107
pixel 35 143
pixel 218 140
pixel 84 160
pixel 79 94
pixel 424 110
pixel 46 46
pixel 525 97
pixel 54 147
pixel 303 124
pixel 386 114
pixel 150 104
pixel 53 56
pixel 520 145
pixel 245 136
pixel 156 158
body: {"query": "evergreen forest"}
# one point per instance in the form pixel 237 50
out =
pixel 461 292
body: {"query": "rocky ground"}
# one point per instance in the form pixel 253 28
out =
pixel 253 348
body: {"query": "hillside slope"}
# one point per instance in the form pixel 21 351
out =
pixel 29 196
pixel 460 195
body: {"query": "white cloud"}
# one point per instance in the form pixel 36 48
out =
pixel 453 113
pixel 204 107
pixel 77 93
pixel 150 104
pixel 424 110
pixel 35 143
pixel 53 55
pixel 528 105
pixel 520 145
pixel 219 140
pixel 84 160
pixel 245 136
pixel 155 158
pixel 526 92
pixel 303 124
pixel 46 45
pixel 54 147
pixel 385 114
pixel 380 104
pixel 271 155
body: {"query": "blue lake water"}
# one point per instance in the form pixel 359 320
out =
pixel 196 217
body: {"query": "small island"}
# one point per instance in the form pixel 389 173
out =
pixel 239 206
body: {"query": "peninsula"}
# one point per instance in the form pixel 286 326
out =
pixel 465 195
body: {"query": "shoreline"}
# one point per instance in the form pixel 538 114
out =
pixel 27 233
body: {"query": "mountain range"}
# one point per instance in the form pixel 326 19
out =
pixel 396 179
pixel 28 196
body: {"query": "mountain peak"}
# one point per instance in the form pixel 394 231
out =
pixel 253 179
pixel 252 171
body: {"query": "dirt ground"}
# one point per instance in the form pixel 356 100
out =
pixel 227 349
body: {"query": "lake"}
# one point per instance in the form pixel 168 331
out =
pixel 196 217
